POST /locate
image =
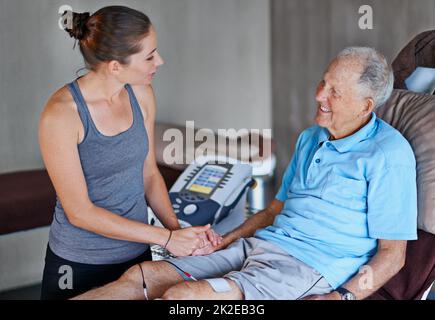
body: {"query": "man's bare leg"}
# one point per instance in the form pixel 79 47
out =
pixel 159 276
pixel 202 290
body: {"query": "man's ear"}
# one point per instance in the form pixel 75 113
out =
pixel 369 106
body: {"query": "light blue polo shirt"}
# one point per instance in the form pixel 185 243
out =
pixel 341 196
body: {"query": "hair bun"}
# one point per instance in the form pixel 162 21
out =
pixel 79 25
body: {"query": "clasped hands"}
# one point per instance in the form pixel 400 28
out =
pixel 194 241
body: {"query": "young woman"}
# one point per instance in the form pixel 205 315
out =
pixel 97 141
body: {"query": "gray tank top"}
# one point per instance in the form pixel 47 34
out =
pixel 113 169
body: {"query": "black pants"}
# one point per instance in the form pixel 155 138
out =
pixel 57 286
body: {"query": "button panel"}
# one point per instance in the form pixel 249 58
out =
pixel 190 209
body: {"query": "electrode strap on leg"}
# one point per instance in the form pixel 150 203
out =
pixel 186 275
pixel 145 292
pixel 219 285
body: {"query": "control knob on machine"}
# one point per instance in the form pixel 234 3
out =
pixel 190 209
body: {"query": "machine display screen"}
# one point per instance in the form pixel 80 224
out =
pixel 207 179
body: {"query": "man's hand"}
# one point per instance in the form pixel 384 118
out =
pixel 185 241
pixel 257 221
pixel 213 237
pixel 207 250
pixel 334 295
pixel 213 243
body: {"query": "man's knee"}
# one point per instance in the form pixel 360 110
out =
pixel 181 291
pixel 134 274
pixel 157 275
pixel 131 275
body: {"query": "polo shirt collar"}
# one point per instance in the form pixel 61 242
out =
pixel 345 144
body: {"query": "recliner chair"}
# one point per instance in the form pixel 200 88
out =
pixel 413 114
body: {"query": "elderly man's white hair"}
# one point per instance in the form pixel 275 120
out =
pixel 377 76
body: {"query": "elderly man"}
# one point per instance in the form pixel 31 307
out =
pixel 347 201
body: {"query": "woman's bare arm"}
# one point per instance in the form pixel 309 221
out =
pixel 58 137
pixel 155 187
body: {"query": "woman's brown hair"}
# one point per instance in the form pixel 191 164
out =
pixel 111 33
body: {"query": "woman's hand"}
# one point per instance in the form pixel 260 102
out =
pixel 185 241
pixel 215 242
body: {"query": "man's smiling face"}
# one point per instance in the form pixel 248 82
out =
pixel 341 103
